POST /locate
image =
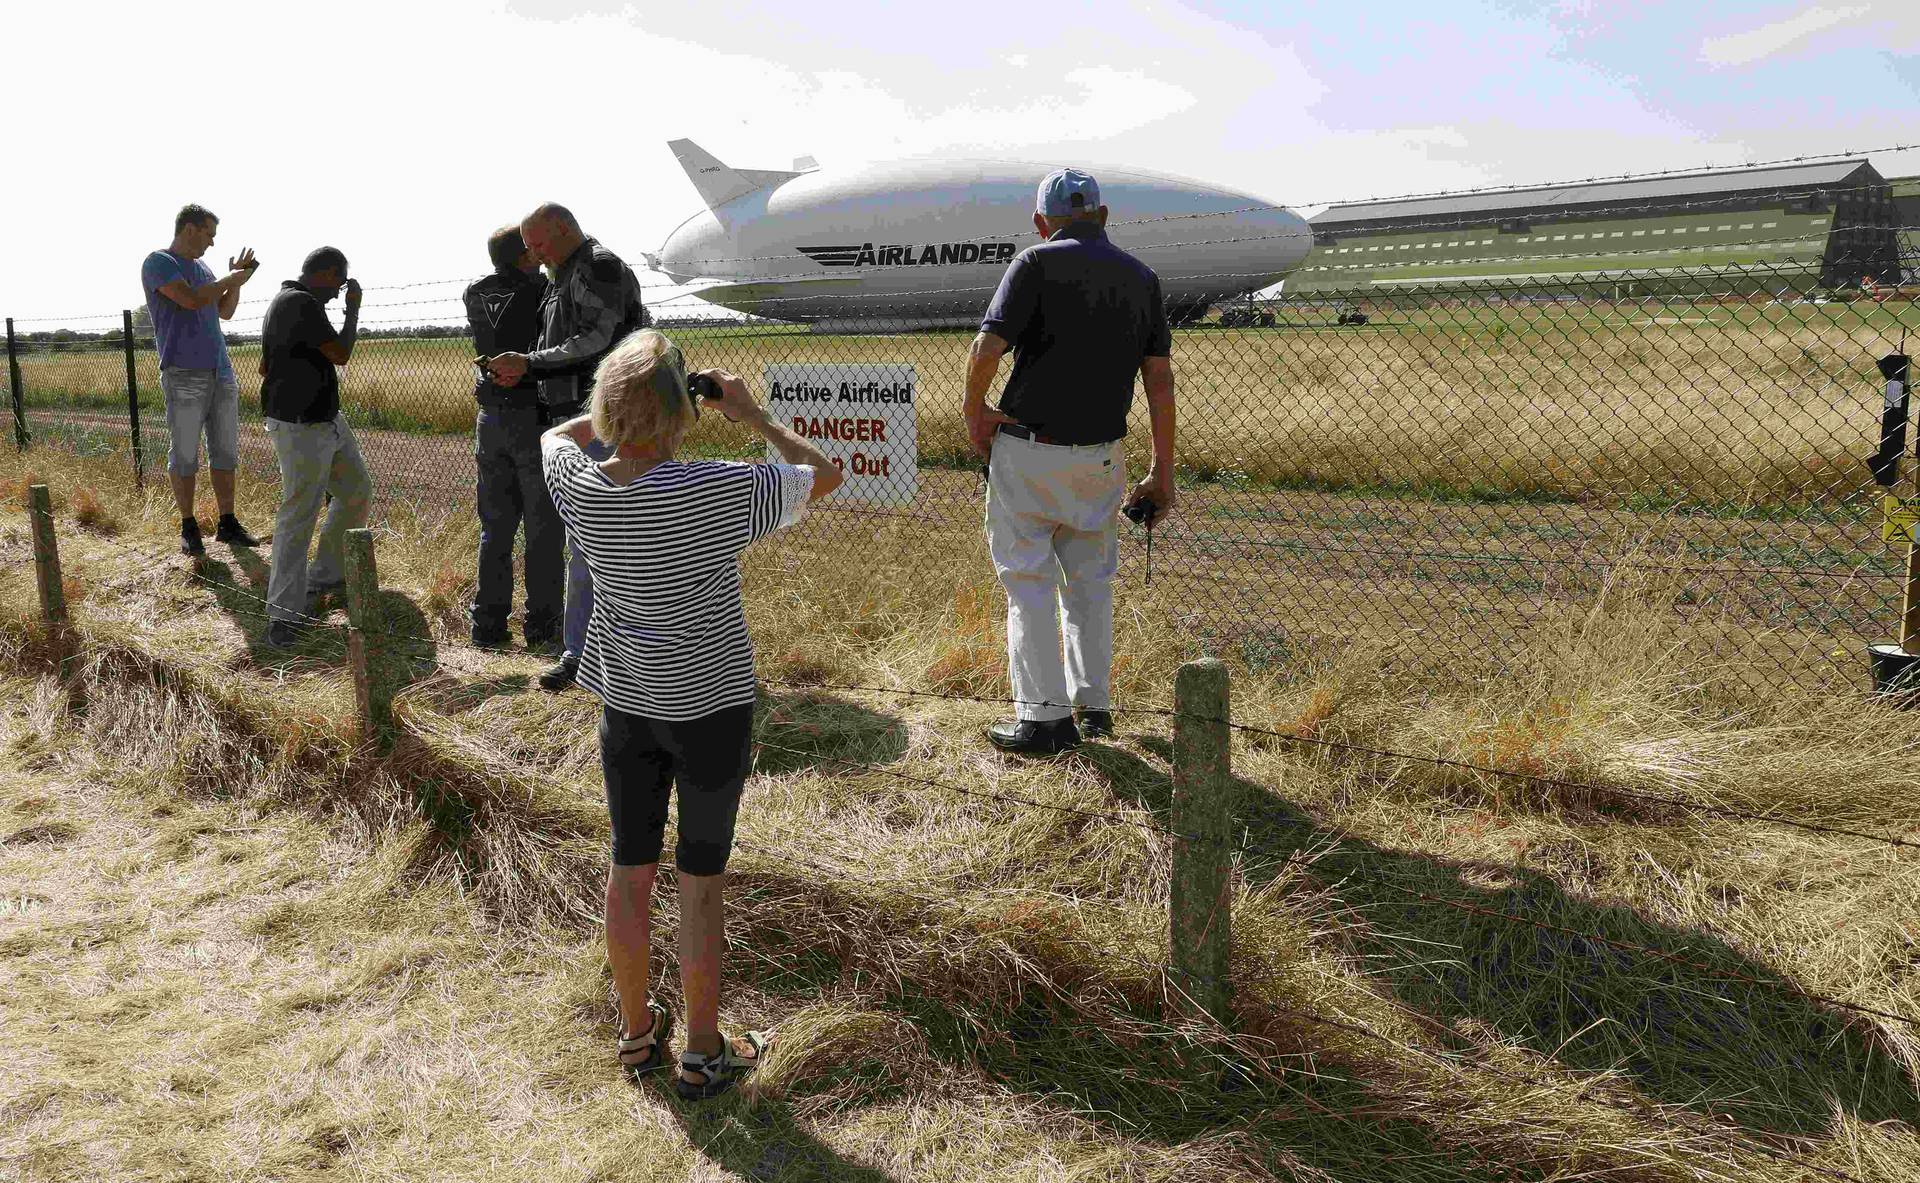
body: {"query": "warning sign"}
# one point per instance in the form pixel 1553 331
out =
pixel 1898 517
pixel 864 416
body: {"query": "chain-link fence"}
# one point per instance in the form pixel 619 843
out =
pixel 1414 455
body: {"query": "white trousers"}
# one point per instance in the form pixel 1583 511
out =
pixel 1053 532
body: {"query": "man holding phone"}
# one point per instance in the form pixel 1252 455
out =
pixel 591 305
pixel 317 451
pixel 1083 317
pixel 187 305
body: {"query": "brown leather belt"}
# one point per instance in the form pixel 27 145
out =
pixel 1021 432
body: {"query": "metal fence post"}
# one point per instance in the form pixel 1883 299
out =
pixel 133 400
pixel 372 692
pixel 1201 898
pixel 21 437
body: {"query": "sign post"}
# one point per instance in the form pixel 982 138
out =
pixel 863 415
pixel 1892 665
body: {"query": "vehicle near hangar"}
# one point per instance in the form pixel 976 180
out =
pixel 922 243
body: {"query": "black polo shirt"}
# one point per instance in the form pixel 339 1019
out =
pixel 300 385
pixel 1081 315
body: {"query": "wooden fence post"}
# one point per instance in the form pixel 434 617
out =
pixel 46 569
pixel 133 400
pixel 1202 895
pixel 372 690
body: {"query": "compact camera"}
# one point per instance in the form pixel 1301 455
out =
pixel 701 386
pixel 1140 512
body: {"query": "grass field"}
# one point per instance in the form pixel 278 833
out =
pixel 232 946
pixel 1721 406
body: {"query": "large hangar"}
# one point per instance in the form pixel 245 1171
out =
pixel 1765 229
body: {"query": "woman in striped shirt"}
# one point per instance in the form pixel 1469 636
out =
pixel 668 655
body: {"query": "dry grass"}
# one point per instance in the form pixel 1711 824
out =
pixel 966 986
pixel 1740 405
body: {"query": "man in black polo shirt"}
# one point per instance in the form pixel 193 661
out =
pixel 1082 317
pixel 300 395
pixel 503 311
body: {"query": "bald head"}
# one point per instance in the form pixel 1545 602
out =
pixel 552 233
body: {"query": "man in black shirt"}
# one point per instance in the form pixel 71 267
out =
pixel 503 310
pixel 318 454
pixel 1082 317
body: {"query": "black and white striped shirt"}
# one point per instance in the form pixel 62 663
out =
pixel 668 636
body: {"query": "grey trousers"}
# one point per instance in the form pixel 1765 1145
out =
pixel 1053 531
pixel 315 459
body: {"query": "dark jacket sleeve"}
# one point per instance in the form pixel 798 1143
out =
pixel 597 291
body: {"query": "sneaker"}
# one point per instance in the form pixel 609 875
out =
pixel 1094 724
pixel 1029 737
pixel 560 674
pixel 190 541
pixel 231 532
pixel 282 634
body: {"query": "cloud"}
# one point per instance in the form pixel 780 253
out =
pixel 1740 49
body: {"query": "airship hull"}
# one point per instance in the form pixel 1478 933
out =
pixel 922 244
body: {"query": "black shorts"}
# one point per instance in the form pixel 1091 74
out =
pixel 643 759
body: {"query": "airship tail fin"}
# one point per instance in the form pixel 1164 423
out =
pixel 717 183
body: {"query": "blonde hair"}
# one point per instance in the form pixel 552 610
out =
pixel 640 393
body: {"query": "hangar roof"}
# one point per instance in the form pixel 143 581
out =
pixel 1653 191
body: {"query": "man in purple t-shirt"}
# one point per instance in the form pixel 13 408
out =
pixel 187 305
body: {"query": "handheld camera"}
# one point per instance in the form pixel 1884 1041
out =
pixel 1140 512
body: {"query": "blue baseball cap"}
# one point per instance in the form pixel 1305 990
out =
pixel 1065 192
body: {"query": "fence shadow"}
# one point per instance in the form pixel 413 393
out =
pixel 1767 1059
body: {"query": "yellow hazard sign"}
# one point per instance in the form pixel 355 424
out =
pixel 1898 518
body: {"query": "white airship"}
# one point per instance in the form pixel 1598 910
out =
pixel 922 244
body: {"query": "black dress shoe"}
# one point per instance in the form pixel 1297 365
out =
pixel 1031 738
pixel 282 634
pixel 560 674
pixel 1094 724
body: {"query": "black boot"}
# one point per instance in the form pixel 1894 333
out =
pixel 231 532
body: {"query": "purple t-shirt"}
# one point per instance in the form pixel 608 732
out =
pixel 188 340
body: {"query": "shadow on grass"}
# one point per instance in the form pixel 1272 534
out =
pixel 1774 1062
pixel 760 1140
pixel 1107 1060
pixel 814 730
pixel 402 649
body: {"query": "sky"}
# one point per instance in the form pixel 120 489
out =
pixel 402 131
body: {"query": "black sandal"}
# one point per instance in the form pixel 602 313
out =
pixel 643 1054
pixel 722 1071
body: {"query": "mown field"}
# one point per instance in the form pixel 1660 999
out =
pixel 1726 406
pixel 233 946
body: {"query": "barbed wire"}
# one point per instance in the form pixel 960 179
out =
pixel 1452 1061
pixel 1784 193
pixel 1560 783
pixel 1297 861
